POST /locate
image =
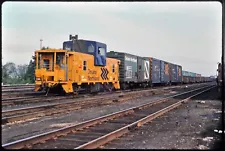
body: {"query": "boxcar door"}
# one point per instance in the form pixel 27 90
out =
pixel 170 72
pixel 162 69
pixel 140 69
pixel 143 69
pixel 146 69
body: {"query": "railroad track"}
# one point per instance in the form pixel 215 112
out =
pixel 14 115
pixel 26 113
pixel 9 91
pixel 5 87
pixel 7 95
pixel 42 99
pixel 11 88
pixel 16 85
pixel 30 99
pixel 99 131
pixel 18 89
pixel 35 98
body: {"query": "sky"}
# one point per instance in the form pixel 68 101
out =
pixel 184 33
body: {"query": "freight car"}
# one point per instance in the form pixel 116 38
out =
pixel 190 77
pixel 186 77
pixel 165 73
pixel 175 73
pixel 134 71
pixel 165 76
pixel 72 70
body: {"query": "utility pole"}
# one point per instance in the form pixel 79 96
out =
pixel 41 43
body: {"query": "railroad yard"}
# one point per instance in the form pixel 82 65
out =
pixel 169 117
pixel 132 79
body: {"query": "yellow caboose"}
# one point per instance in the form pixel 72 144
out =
pixel 74 71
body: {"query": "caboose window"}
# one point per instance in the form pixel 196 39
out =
pixel 101 51
pixel 46 64
pixel 84 65
pixel 59 58
pixel 39 60
pixel 91 49
pixel 113 68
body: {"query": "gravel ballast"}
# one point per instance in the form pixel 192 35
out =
pixel 191 126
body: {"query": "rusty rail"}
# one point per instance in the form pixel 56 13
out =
pixel 42 138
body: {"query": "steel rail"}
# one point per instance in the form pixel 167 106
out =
pixel 23 143
pixel 16 85
pixel 17 90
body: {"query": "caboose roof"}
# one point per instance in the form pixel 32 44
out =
pixel 52 50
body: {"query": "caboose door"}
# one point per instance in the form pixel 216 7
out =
pixel 66 67
pixel 70 67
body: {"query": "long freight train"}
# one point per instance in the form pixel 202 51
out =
pixel 86 65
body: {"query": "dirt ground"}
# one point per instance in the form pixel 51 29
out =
pixel 191 126
pixel 13 132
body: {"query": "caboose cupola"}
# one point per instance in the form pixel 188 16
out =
pixel 97 49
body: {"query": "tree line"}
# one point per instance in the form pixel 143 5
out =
pixel 19 74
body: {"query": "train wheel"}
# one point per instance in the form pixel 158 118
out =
pixel 123 86
pixel 108 87
pixel 75 89
pixel 151 85
pixel 145 85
